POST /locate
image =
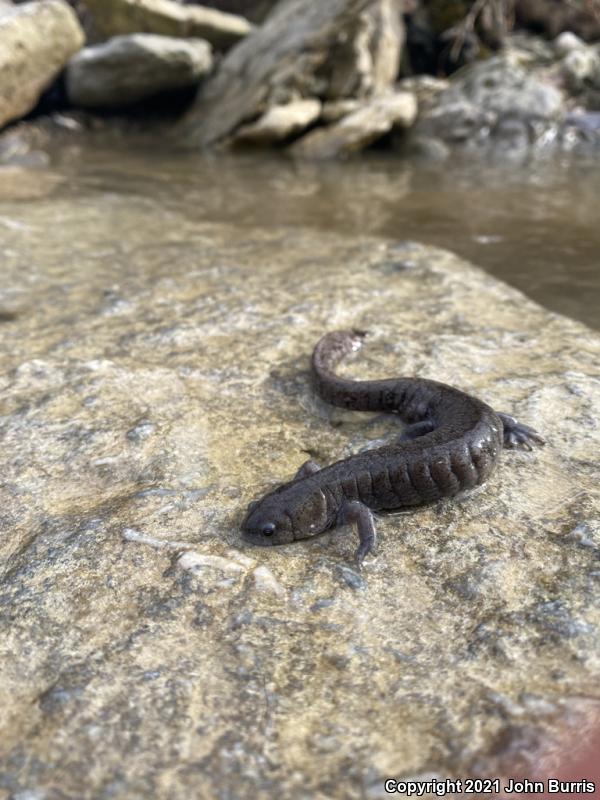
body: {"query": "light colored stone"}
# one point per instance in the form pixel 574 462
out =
pixel 169 18
pixel 567 42
pixel 265 581
pixel 134 670
pixel 387 44
pixel 200 562
pixel 6 6
pixel 334 110
pixel 365 57
pixel 358 130
pixel 127 69
pixel 291 55
pixel 36 41
pixel 581 69
pixel 280 122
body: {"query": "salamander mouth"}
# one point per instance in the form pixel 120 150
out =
pixel 256 538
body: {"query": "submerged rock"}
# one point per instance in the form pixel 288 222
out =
pixel 127 69
pixel 168 18
pixel 36 41
pixel 338 49
pixel 357 130
pixel 146 651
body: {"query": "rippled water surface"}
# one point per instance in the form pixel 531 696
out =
pixel 536 226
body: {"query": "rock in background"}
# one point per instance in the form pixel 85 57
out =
pixel 551 17
pixel 168 18
pixel 127 69
pixel 499 97
pixel 580 69
pixel 36 41
pixel 280 123
pixel 355 131
pixel 254 10
pixel 316 50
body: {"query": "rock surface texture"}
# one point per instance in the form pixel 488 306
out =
pixel 168 18
pixel 130 68
pixel 154 380
pixel 326 50
pixel 36 41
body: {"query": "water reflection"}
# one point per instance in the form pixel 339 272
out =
pixel 535 226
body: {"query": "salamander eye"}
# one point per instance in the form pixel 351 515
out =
pixel 268 530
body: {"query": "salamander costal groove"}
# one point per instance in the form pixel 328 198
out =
pixel 452 442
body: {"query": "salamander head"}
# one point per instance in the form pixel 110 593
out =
pixel 289 513
pixel 267 523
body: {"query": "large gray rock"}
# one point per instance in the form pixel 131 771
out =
pixel 154 379
pixel 483 96
pixel 36 41
pixel 168 18
pixel 342 48
pixel 359 129
pixel 127 69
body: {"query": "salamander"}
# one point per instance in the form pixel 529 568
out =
pixel 452 443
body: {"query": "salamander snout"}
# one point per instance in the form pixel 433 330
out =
pixel 267 524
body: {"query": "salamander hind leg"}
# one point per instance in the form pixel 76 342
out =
pixel 516 433
pixel 417 429
pixel 357 513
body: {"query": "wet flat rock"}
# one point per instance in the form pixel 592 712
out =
pixel 154 380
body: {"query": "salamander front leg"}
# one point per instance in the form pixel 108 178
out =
pixel 308 468
pixel 515 433
pixel 357 513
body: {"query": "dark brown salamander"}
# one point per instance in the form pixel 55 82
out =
pixel 452 443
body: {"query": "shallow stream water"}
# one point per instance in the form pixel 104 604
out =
pixel 536 226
